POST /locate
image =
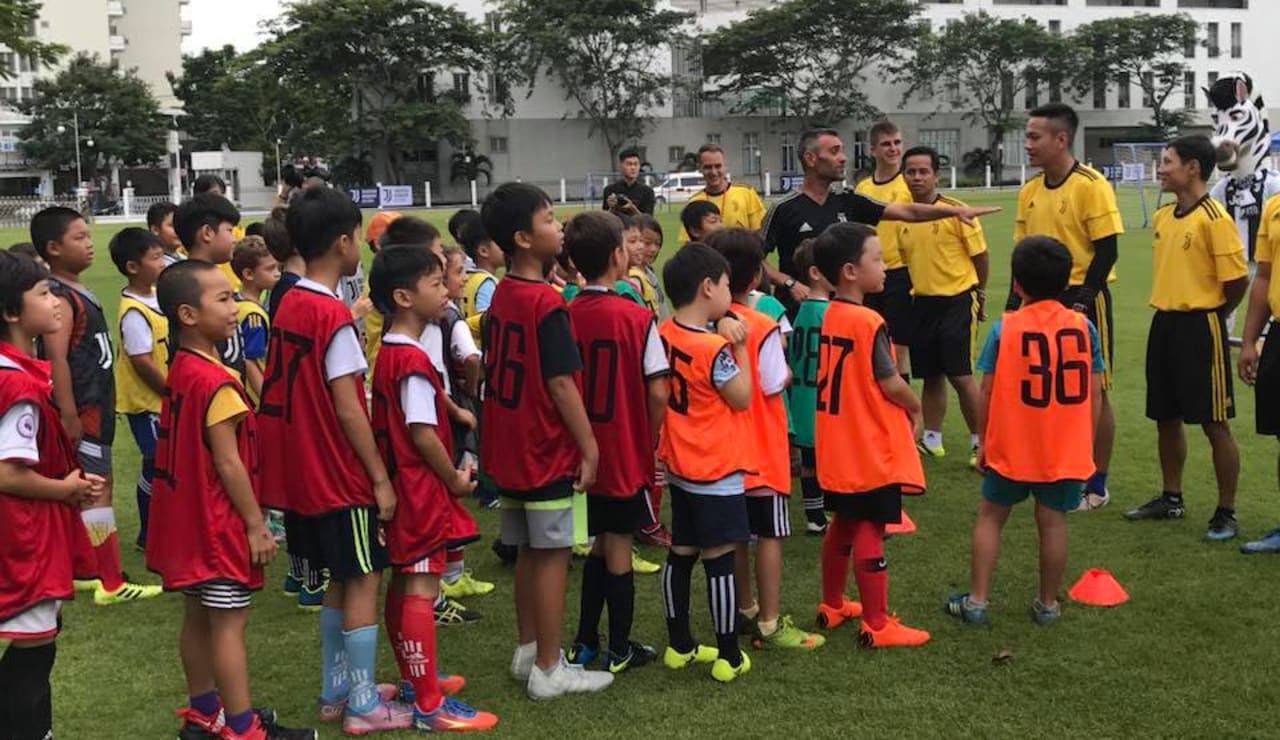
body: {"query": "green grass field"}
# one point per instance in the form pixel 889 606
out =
pixel 1191 655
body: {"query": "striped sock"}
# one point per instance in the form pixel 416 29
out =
pixel 722 595
pixel 677 574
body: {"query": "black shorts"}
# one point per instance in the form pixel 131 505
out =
pixel 347 541
pixel 1189 368
pixel 769 515
pixel 702 521
pixel 944 333
pixel 894 304
pixel 618 515
pixel 1100 313
pixel 1267 386
pixel 882 506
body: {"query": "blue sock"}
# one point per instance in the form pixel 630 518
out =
pixel 1097 483
pixel 362 652
pixel 207 703
pixel 336 681
pixel 240 723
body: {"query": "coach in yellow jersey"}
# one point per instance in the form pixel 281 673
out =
pixel 740 205
pixel 948 263
pixel 888 186
pixel 1076 205
pixel 1198 277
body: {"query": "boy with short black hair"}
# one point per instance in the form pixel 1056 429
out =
pixel 486 260
pixel 206 225
pixel 210 541
pixel 699 218
pixel 705 449
pixel 144 337
pixel 332 484
pixel 258 272
pixel 411 424
pixel 864 438
pixel 531 384
pixel 802 353
pixel 625 394
pixel 80 359
pixel 768 490
pixel 160 222
pixel 43 545
pixel 1020 418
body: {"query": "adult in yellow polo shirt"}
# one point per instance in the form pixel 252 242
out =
pixel 1077 206
pixel 948 262
pixel 740 205
pixel 1198 277
pixel 1263 372
pixel 888 186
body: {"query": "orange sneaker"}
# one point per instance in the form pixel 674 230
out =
pixel 893 634
pixel 829 618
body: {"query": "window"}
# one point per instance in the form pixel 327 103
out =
pixel 497 88
pixel 1211 39
pixel 493 22
pixel 1030 2
pixel 497 145
pixel 1122 90
pixel 25 94
pixel 713 138
pixel 1232 4
pixel 1189 46
pixel 462 85
pixel 426 86
pixel 1189 90
pixel 1126 3
pixel 1236 43
pixel 675 154
pixel 789 163
pixel 1055 87
pixel 1055 28
pixel 1213 77
pixel 1148 86
pixel 1100 92
pixel 1033 90
pixel 1013 148
pixel 24 63
pixel 946 141
pixel 751 154
pixel 686 79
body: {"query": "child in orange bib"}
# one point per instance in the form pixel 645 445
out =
pixel 865 427
pixel 1041 390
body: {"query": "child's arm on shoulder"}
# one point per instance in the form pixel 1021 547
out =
pixel 225 451
pixel 347 393
pixel 56 346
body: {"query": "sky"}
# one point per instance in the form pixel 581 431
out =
pixel 235 22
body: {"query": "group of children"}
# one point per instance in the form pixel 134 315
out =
pixel 551 388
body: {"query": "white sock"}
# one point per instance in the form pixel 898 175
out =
pixel 453 571
pixel 973 441
pixel 932 438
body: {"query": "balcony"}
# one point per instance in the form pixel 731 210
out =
pixel 186 28
pixel 115 8
pixel 117 42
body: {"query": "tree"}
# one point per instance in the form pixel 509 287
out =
pixel 1145 49
pixel 115 110
pixel 213 116
pixel 811 57
pixel 604 53
pixel 979 65
pixel 371 66
pixel 466 165
pixel 18 33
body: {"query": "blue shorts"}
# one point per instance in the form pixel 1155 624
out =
pixel 145 428
pixel 1063 495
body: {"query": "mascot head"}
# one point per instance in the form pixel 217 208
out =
pixel 1241 135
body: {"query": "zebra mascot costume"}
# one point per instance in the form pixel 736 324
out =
pixel 1242 138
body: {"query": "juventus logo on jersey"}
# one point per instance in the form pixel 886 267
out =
pixel 1186 242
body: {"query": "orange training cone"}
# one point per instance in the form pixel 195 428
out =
pixel 906 526
pixel 1097 587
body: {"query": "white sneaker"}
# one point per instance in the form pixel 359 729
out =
pixel 566 679
pixel 1091 501
pixel 522 661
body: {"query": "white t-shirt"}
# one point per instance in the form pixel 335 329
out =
pixel 135 331
pixel 19 429
pixel 461 347
pixel 344 356
pixel 417 395
pixel 774 371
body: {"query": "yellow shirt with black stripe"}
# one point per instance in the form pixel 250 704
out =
pixel 1268 245
pixel 467 306
pixel 740 206
pixel 132 395
pixel 250 315
pixel 939 254
pixel 1193 254
pixel 894 190
pixel 647 292
pixel 1077 212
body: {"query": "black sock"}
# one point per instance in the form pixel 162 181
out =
pixel 1173 497
pixel 620 591
pixel 593 591
pixel 676 577
pixel 812 499
pixel 315 577
pixel 28 699
pixel 722 595
pixel 298 568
